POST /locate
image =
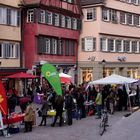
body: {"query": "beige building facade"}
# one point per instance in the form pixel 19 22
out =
pixel 10 37
pixel 110 39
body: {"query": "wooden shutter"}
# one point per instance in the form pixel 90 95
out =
pixel 8 16
pixel 94 44
pixel 39 15
pixel 53 18
pixel 40 45
pixel 83 44
pixel 18 17
pixel 79 24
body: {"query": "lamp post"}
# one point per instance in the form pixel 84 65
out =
pixel 103 63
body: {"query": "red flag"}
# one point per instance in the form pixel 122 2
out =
pixel 3 100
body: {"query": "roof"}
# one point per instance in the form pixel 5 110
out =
pixel 90 2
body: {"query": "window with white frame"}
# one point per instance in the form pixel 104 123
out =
pixel 103 43
pixel 129 19
pixel 113 16
pixel 134 46
pixel 74 23
pixel 3 15
pixel 30 15
pixel 136 2
pixel 11 50
pixel 123 18
pixel 90 44
pixel 54 46
pixel 119 45
pixel 105 14
pixel 56 19
pixel 49 16
pixel 9 16
pixel 14 15
pixel 127 46
pixel 69 22
pixel 136 20
pixel 111 45
pixel 47 45
pixel 42 16
pixel 90 14
pixel 128 1
pixel 63 21
pixel 60 47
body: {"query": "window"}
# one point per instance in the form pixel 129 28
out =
pixel 127 45
pixel 68 22
pixel 69 47
pixel 60 47
pixel 49 18
pixel 74 23
pixel 129 19
pixel 47 45
pixel 134 46
pixel 56 20
pixel 119 45
pixel 105 14
pixel 132 72
pixel 123 18
pixel 63 21
pixel 11 50
pixel 42 16
pixel 111 45
pixel 103 43
pixel 87 74
pixel 136 2
pixel 136 20
pixel 88 44
pixel 113 16
pixel 91 14
pixel 9 16
pixel 30 15
pixel 54 46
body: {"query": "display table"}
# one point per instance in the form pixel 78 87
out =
pixel 14 119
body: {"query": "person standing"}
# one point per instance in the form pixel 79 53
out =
pixel 29 117
pixel 44 110
pixel 98 103
pixel 59 100
pixel 69 106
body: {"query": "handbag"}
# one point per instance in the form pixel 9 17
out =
pixel 39 113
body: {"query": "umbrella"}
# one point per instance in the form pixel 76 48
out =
pixel 65 78
pixel 113 79
pixel 21 75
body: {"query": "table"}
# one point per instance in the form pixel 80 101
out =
pixel 14 119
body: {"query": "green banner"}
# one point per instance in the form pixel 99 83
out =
pixel 51 74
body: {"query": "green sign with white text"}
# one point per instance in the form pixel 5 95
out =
pixel 51 74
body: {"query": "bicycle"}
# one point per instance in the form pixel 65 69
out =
pixel 104 122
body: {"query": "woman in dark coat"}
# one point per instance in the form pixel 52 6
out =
pixel 44 110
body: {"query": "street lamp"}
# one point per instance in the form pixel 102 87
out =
pixel 103 63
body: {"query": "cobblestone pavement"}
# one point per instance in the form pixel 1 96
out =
pixel 84 129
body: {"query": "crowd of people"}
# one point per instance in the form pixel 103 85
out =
pixel 74 102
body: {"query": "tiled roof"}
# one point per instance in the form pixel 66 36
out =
pixel 90 2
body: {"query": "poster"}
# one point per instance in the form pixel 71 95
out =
pixel 1 122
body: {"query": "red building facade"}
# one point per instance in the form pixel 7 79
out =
pixel 51 31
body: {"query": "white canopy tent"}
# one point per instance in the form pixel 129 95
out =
pixel 113 79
